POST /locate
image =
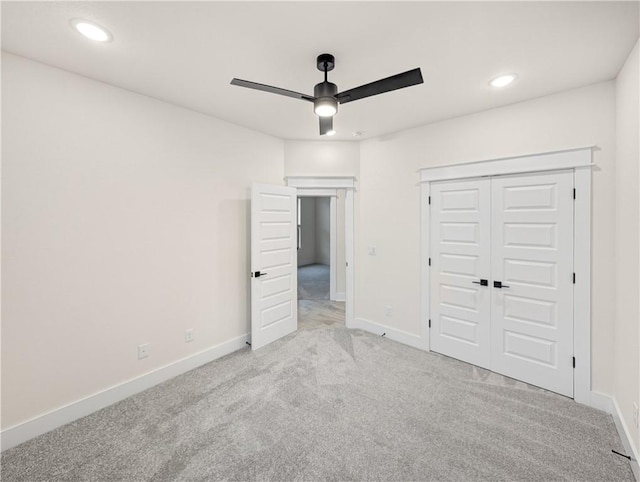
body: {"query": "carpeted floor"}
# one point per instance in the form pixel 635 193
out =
pixel 313 282
pixel 327 403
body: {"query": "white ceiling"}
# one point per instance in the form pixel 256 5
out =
pixel 188 52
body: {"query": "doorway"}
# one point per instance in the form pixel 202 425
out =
pixel 340 192
pixel 274 242
pixel 320 246
pixel 314 248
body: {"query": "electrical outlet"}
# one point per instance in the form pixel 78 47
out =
pixel 143 351
pixel 372 250
pixel 188 335
pixel 388 310
pixel 635 414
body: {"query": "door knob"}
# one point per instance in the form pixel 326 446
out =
pixel 482 282
pixel 498 284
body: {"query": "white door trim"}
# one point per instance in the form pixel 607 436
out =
pixel 580 160
pixel 321 182
pixel 328 186
pixel 333 238
pixel 582 289
pixel 546 161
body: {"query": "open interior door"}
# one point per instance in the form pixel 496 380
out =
pixel 274 270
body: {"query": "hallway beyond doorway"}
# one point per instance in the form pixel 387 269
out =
pixel 313 282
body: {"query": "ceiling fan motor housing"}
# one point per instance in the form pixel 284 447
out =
pixel 325 89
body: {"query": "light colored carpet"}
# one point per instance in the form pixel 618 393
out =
pixel 327 403
pixel 313 282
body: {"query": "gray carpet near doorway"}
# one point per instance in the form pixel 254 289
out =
pixel 327 403
pixel 313 282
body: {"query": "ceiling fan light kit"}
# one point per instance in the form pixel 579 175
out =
pixel 325 94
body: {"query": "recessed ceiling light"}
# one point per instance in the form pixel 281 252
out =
pixel 331 133
pixel 502 80
pixel 91 30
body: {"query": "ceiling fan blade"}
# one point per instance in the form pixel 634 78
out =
pixel 273 90
pixel 326 125
pixel 399 81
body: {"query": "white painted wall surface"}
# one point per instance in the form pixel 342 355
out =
pixel 627 260
pixel 323 230
pixel 307 251
pixel 125 221
pixel 321 158
pixel 388 215
pixel 315 245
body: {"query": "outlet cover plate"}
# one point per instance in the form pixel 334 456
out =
pixel 143 351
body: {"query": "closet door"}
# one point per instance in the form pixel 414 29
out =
pixel 532 260
pixel 460 251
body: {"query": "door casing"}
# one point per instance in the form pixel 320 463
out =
pixel 323 186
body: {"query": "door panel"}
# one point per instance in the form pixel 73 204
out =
pixel 274 308
pixel 532 255
pixel 460 250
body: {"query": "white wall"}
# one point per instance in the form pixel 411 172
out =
pixel 125 220
pixel 323 230
pixel 389 200
pixel 307 251
pixel 315 233
pixel 321 158
pixel 627 363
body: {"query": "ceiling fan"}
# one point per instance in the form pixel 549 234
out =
pixel 325 94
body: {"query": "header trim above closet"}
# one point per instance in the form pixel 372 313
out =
pixel 548 161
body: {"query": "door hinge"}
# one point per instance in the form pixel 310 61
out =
pixel 429 199
pixel 574 193
pixel 574 278
pixel 429 261
pixel 429 323
pixel 574 362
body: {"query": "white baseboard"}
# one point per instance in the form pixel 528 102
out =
pixel 625 436
pixel 22 432
pixel 601 402
pixel 610 405
pixel 340 296
pixel 392 333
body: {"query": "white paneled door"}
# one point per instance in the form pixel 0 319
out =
pixel 274 275
pixel 532 261
pixel 502 275
pixel 460 268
